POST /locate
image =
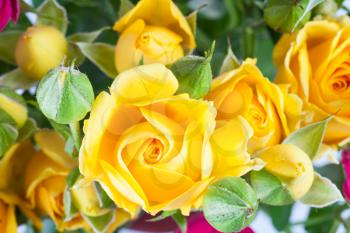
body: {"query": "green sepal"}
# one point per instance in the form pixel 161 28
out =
pixel 309 138
pixel 194 74
pixel 104 199
pixel 230 61
pixel 73 176
pixel 322 193
pixel 70 211
pixel 269 189
pixel 100 223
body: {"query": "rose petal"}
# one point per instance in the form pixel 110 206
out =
pixel 5 12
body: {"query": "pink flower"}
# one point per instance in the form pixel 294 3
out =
pixel 346 164
pixel 9 9
pixel 198 224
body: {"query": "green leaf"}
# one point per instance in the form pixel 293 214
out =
pixel 100 223
pixel 102 55
pixel 125 6
pixel 194 74
pixel 269 189
pixel 65 95
pixel 279 215
pixel 70 211
pixel 287 15
pixel 322 193
pixel 27 130
pixel 230 204
pixel 73 176
pixel 180 221
pixel 73 50
pixel 8 136
pixel 230 62
pixel 311 5
pixel 51 13
pixel 104 199
pixel 309 138
pixel 8 46
pixel 16 79
pixel 88 37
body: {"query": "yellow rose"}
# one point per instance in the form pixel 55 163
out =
pixel 8 223
pixel 154 31
pixel 291 165
pixel 245 91
pixel 40 49
pixel 315 62
pixel 12 166
pixel 152 149
pixel 45 181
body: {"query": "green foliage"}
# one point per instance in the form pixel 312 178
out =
pixel 230 204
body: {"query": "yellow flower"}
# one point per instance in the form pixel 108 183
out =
pixel 315 62
pixel 152 149
pixel 14 107
pixel 271 112
pixel 154 31
pixel 291 165
pixel 12 167
pixel 8 223
pixel 45 180
pixel 40 49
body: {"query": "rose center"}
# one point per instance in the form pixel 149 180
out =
pixel 341 84
pixel 153 152
pixel 257 117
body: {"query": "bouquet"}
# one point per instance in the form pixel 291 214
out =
pixel 174 116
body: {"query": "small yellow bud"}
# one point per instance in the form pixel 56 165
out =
pixel 291 165
pixel 40 49
pixel 85 198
